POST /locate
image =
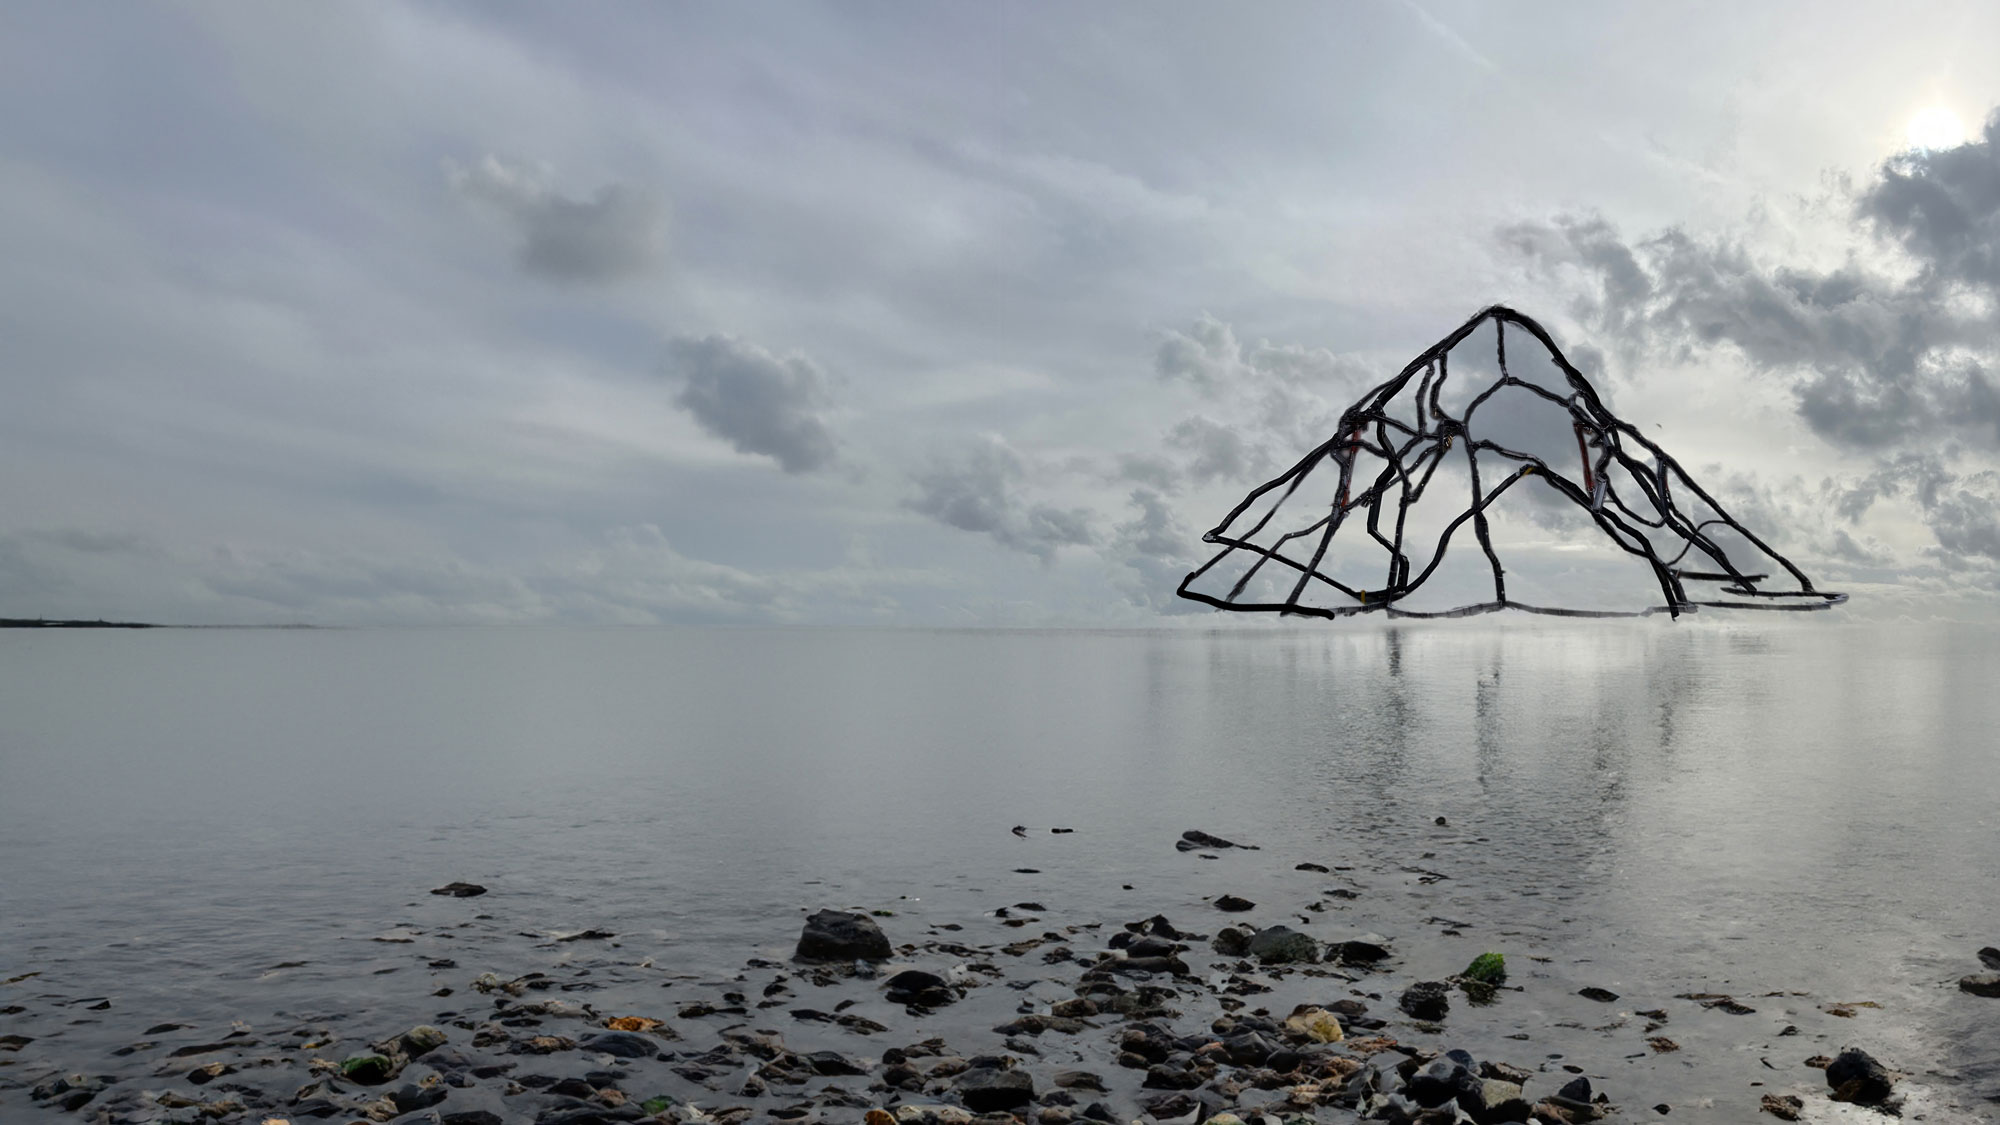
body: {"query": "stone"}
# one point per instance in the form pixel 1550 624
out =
pixel 1195 838
pixel 460 890
pixel 1281 945
pixel 1576 1089
pixel 620 1044
pixel 1359 951
pixel 368 1070
pixel 415 1043
pixel 1233 905
pixel 1981 984
pixel 1078 1080
pixel 1787 1107
pixel 1426 1000
pixel 1232 941
pixel 991 1089
pixel 1856 1077
pixel 835 935
pixel 1445 1080
pixel 472 1117
pixel 1151 947
pixel 1319 868
pixel 1990 957
pixel 1316 1024
pixel 1601 995
pixel 1499 1100
pixel 411 1097
pixel 833 1063
pixel 1487 968
pixel 914 986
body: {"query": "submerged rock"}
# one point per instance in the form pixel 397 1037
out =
pixel 914 986
pixel 1232 941
pixel 1195 838
pixel 989 1089
pixel 460 890
pixel 1856 1077
pixel 1981 984
pixel 1426 1000
pixel 1278 945
pixel 1234 905
pixel 835 935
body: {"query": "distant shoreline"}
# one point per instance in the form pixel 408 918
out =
pixel 51 623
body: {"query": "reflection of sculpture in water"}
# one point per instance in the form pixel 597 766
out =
pixel 1392 443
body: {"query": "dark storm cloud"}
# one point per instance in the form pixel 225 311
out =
pixel 758 402
pixel 618 232
pixel 979 491
pixel 1943 206
pixel 1875 360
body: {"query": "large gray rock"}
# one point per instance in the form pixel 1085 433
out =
pixel 1279 945
pixel 993 1090
pixel 835 935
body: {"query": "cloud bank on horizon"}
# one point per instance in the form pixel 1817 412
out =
pixel 454 313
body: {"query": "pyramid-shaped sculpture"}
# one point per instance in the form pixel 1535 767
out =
pixel 1336 534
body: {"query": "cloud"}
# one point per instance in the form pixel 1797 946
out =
pixel 980 492
pixel 758 402
pixel 1943 207
pixel 1874 359
pixel 618 232
pixel 1156 547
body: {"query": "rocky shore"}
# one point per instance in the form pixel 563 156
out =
pixel 883 1016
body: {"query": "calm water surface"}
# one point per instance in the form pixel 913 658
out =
pixel 1739 806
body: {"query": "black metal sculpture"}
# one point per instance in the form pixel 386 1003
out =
pixel 1629 487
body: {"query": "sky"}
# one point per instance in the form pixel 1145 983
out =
pixel 948 314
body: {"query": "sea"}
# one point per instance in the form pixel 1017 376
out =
pixel 239 828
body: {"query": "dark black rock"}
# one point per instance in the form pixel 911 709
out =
pixel 1279 945
pixel 1426 1000
pixel 1247 1048
pixel 1576 1090
pixel 411 1097
pixel 913 986
pixel 1098 1111
pixel 1151 947
pixel 1167 1076
pixel 1232 941
pixel 571 1088
pixel 1989 957
pixel 472 1117
pixel 1356 952
pixel 1319 867
pixel 622 1044
pixel 1856 1077
pixel 828 1063
pixel 1193 838
pixel 460 890
pixel 1981 984
pixel 1601 995
pixel 1158 926
pixel 834 935
pixel 988 1089
pixel 1445 1080
pixel 1234 905
pixel 1133 966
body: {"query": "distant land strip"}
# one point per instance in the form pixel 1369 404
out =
pixel 47 623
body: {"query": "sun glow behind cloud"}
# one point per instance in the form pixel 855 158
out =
pixel 1935 127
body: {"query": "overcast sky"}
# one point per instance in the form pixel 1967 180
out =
pixel 946 313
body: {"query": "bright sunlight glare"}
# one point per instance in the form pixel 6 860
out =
pixel 1935 127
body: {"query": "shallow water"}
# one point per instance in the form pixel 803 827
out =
pixel 1657 808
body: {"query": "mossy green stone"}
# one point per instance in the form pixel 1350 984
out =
pixel 369 1070
pixel 1487 968
pixel 657 1105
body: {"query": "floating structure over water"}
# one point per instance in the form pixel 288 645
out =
pixel 1378 479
